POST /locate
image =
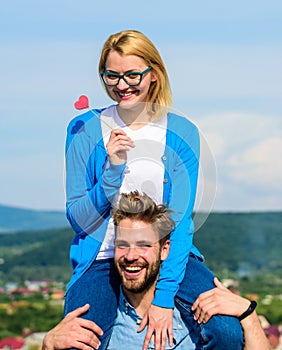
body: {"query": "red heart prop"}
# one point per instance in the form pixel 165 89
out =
pixel 82 102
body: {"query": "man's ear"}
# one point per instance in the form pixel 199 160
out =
pixel 165 250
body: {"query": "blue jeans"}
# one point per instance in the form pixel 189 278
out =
pixel 99 287
pixel 221 332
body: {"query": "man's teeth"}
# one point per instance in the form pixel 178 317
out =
pixel 133 268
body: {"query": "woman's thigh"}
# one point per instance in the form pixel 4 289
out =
pixel 98 286
pixel 221 332
pixel 197 279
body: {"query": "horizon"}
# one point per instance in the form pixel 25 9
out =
pixel 213 211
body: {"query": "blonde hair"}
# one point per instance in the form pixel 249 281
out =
pixel 141 207
pixel 133 42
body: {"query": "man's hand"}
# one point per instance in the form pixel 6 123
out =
pixel 73 332
pixel 219 300
pixel 159 322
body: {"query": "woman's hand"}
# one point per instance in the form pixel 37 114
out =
pixel 219 300
pixel 73 332
pixel 119 143
pixel 159 322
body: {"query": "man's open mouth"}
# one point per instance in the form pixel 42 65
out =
pixel 133 268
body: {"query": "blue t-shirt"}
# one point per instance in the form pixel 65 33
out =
pixel 125 334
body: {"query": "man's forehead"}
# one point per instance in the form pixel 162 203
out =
pixel 136 230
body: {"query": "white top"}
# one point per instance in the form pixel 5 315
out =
pixel 144 169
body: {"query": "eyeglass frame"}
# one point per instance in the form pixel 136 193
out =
pixel 122 76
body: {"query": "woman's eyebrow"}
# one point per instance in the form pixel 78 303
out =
pixel 134 70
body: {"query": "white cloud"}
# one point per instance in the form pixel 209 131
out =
pixel 260 165
pixel 248 152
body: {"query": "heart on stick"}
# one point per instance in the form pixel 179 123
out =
pixel 82 102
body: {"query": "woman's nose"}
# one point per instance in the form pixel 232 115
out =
pixel 122 84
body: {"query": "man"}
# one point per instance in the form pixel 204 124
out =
pixel 141 244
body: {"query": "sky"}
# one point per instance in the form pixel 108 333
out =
pixel 224 64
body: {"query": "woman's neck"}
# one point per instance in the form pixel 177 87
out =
pixel 134 118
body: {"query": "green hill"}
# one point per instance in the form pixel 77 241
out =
pixel 243 243
pixel 36 255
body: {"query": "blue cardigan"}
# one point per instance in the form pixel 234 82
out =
pixel 92 183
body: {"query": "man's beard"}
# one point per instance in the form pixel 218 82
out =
pixel 139 286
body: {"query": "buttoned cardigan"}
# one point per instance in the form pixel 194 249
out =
pixel 92 184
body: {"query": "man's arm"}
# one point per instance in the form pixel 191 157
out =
pixel 221 300
pixel 73 332
pixel 254 334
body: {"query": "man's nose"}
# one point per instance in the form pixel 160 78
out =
pixel 132 253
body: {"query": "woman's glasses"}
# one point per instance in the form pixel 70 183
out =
pixel 131 78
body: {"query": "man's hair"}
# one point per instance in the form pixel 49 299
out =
pixel 140 207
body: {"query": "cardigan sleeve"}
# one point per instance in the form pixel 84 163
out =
pixel 182 173
pixel 91 181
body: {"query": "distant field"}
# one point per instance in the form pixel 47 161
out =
pixel 242 243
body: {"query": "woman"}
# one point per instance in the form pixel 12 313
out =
pixel 135 144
